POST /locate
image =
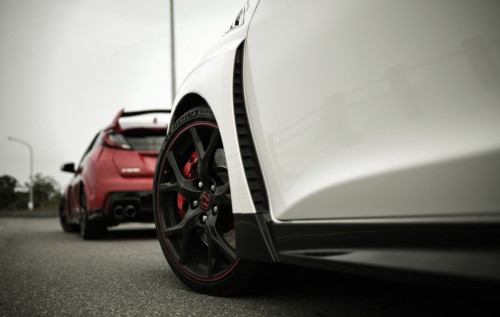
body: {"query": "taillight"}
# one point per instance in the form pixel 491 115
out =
pixel 115 140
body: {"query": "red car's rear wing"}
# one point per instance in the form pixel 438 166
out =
pixel 115 125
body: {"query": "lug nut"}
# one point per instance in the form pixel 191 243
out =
pixel 200 184
pixel 204 218
pixel 215 210
pixel 195 203
pixel 212 188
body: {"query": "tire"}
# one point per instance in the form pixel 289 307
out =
pixel 194 219
pixel 63 219
pixel 89 229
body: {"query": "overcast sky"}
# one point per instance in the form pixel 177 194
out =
pixel 68 66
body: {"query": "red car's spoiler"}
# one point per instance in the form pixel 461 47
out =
pixel 115 125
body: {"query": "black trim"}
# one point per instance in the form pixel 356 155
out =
pixel 466 270
pixel 334 236
pixel 253 238
pixel 431 253
pixel 253 172
pixel 252 242
pixel 425 252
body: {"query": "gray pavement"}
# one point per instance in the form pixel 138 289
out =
pixel 46 272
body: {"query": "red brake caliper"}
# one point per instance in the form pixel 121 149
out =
pixel 189 171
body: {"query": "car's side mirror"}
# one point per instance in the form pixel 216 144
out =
pixel 68 167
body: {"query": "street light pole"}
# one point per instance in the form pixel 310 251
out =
pixel 30 203
pixel 172 52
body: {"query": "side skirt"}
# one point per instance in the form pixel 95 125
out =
pixel 422 250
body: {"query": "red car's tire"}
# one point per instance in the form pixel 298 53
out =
pixel 89 229
pixel 63 219
pixel 193 212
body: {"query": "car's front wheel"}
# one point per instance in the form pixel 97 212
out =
pixel 193 210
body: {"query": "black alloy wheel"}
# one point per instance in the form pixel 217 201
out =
pixel 193 211
pixel 89 229
pixel 63 219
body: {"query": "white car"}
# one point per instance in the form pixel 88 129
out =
pixel 352 135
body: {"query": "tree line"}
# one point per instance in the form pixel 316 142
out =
pixel 13 195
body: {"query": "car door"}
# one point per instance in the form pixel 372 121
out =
pixel 364 109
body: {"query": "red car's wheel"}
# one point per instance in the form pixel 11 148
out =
pixel 193 211
pixel 89 229
pixel 63 219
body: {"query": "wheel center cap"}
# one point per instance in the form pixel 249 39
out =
pixel 205 201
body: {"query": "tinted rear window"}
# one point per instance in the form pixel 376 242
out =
pixel 144 139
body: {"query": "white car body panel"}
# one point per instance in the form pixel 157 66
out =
pixel 371 108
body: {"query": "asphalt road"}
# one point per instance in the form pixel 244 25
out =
pixel 46 272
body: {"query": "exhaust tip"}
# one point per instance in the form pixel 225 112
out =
pixel 118 211
pixel 130 211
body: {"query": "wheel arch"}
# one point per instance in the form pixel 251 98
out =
pixel 188 102
pixel 253 238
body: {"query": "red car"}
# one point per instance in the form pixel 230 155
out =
pixel 113 182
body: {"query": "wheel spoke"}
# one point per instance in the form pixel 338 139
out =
pixel 187 224
pixel 214 236
pixel 212 257
pixel 181 180
pixel 222 195
pixel 176 230
pixel 223 200
pixel 183 185
pixel 169 187
pixel 197 143
pixel 214 140
pixel 205 159
pixel 184 256
pixel 221 190
pixel 185 229
pixel 175 167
